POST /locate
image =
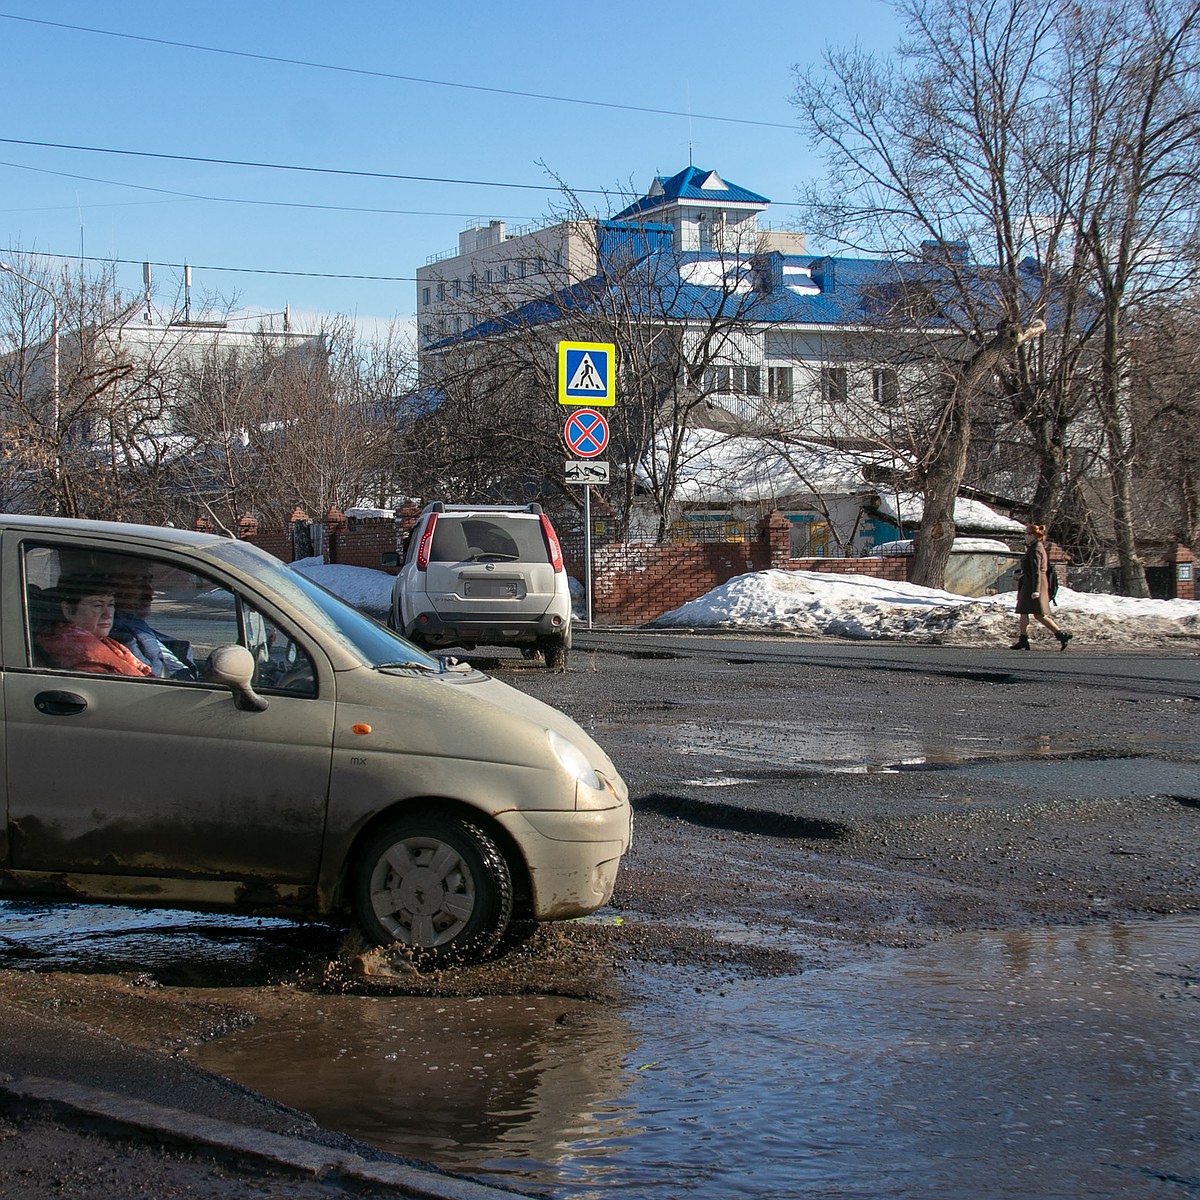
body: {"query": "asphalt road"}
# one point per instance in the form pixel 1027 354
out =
pixel 848 795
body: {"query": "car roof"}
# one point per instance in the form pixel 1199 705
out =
pixel 161 534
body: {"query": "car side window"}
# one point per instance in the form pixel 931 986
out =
pixel 281 663
pixel 131 615
pixel 124 615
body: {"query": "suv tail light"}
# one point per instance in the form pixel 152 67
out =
pixel 426 543
pixel 552 546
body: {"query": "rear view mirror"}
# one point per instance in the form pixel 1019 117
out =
pixel 233 667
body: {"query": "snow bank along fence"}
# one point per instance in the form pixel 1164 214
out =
pixel 634 582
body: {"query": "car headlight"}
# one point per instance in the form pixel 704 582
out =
pixel 574 761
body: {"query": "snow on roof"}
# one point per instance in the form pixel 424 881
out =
pixel 717 468
pixel 960 545
pixel 907 508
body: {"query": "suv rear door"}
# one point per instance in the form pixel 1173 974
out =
pixel 486 563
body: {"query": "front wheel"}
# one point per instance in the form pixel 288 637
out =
pixel 436 884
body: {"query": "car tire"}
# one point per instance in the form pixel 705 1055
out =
pixel 555 651
pixel 436 885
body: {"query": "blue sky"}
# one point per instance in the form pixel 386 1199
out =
pixel 590 78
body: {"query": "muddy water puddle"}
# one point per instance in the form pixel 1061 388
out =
pixel 1034 1063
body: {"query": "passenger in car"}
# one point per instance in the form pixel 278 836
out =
pixel 167 657
pixel 80 641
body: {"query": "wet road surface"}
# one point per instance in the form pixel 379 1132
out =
pixel 885 932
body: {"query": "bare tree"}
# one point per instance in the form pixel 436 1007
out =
pixel 60 388
pixel 273 426
pixel 498 432
pixel 978 136
pixel 1129 173
pixel 1164 356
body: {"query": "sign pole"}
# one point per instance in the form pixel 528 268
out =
pixel 587 547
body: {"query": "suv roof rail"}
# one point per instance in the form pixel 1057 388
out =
pixel 440 506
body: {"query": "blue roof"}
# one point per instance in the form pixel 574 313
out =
pixel 852 290
pixel 689 184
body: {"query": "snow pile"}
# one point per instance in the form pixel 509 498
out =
pixel 809 603
pixel 367 590
pixel 814 604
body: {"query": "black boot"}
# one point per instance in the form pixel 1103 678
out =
pixel 1063 639
pixel 1022 643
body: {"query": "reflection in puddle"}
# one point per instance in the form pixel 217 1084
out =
pixel 1055 1061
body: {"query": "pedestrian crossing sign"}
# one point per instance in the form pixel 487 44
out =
pixel 585 373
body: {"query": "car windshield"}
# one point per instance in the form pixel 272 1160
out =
pixel 367 639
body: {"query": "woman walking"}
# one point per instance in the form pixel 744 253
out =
pixel 1033 589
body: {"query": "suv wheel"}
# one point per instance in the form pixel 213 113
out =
pixel 555 650
pixel 435 884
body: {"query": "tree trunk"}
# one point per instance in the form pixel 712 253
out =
pixel 1118 435
pixel 947 463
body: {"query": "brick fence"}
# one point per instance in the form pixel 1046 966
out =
pixel 633 582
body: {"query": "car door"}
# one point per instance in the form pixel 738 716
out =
pixel 129 775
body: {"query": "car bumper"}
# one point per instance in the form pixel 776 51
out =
pixel 572 857
pixel 490 628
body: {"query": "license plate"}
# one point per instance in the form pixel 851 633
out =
pixel 491 589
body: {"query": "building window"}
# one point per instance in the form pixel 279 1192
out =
pixel 424 295
pixel 487 276
pixel 504 273
pixel 833 385
pixel 457 289
pixel 779 384
pixel 733 381
pixel 441 291
pixel 472 284
pixel 886 386
pixel 521 269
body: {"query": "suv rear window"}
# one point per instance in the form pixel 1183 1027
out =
pixel 488 538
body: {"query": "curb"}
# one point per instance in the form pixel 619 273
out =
pixel 271 1149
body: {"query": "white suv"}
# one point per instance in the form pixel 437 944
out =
pixel 484 574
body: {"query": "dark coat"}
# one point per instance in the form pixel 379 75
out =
pixel 1033 588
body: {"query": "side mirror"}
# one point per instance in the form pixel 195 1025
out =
pixel 233 667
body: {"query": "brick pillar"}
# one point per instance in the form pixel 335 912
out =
pixel 1059 560
pixel 1184 562
pixel 247 527
pixel 776 531
pixel 335 530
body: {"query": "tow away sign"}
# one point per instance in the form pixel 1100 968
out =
pixel 585 373
pixel 586 472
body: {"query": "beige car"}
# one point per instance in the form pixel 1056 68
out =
pixel 188 722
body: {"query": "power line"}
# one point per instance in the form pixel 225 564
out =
pixel 445 83
pixel 142 187
pixel 349 171
pixel 14 251
pixel 267 166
